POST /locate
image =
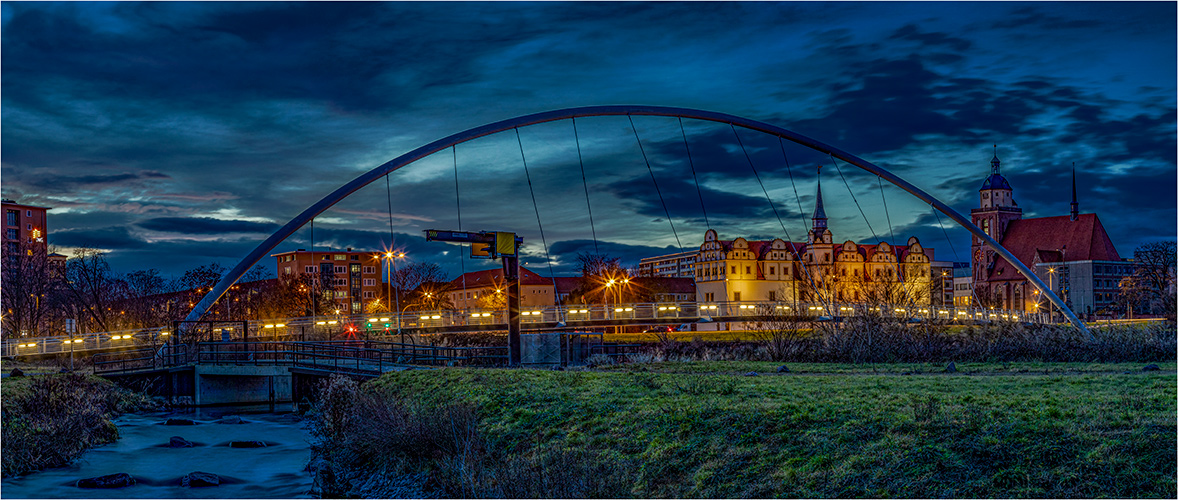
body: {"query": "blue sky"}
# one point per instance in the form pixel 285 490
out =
pixel 175 134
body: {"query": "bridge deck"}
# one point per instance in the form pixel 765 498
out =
pixel 582 317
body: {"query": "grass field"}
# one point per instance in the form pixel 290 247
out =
pixel 703 429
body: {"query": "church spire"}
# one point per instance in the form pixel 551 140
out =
pixel 819 217
pixel 995 163
pixel 1075 206
pixel 818 229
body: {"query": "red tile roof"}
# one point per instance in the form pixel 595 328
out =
pixel 1081 239
pixel 492 277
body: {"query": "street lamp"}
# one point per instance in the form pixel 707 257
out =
pixel 1050 286
pixel 390 270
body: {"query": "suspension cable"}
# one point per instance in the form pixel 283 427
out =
pixel 656 183
pixel 693 176
pixel 458 205
pixel 770 200
pixel 536 207
pixel 845 183
pixel 801 212
pixel 972 291
pixel 891 232
pixel 585 183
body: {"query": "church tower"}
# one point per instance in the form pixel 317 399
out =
pixel 997 209
pixel 820 248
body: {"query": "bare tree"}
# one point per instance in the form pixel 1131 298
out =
pixel 91 289
pixel 598 271
pixel 1155 273
pixel 28 283
pixel 779 329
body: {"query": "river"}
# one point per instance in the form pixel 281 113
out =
pixel 277 470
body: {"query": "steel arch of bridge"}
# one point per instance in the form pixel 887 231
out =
pixel 617 110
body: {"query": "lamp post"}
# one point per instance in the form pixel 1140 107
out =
pixel 392 269
pixel 1050 286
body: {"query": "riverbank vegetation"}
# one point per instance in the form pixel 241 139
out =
pixel 49 420
pixel 714 429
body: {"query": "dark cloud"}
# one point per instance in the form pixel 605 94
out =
pixel 1030 18
pixel 156 115
pixel 567 251
pixel 205 225
pixel 111 238
pixel 912 32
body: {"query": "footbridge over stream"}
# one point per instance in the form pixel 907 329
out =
pixel 259 372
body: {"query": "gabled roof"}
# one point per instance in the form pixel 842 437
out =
pixel 1080 239
pixel 493 277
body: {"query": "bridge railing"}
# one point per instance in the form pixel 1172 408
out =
pixel 147 358
pixel 576 315
pixel 580 314
pixel 63 344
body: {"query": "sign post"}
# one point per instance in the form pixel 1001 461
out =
pixel 490 245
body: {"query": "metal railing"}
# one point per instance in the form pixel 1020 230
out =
pixel 530 317
pixel 147 358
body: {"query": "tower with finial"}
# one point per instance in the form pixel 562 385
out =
pixel 818 230
pixel 997 209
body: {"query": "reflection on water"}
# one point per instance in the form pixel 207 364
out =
pixel 275 471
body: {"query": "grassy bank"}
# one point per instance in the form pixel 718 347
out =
pixel 49 420
pixel 705 430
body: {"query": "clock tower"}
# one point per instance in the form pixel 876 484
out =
pixel 997 209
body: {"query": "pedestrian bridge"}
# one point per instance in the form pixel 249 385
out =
pixel 688 316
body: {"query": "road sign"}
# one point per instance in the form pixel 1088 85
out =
pixel 480 251
pixel 483 244
pixel 70 326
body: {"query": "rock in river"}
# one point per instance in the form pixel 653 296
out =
pixel 247 444
pixel 118 480
pixel 179 421
pixel 199 479
pixel 179 442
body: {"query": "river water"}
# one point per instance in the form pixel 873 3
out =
pixel 277 470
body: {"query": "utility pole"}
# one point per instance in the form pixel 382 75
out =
pixel 491 245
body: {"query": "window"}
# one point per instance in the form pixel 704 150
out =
pixel 355 257
pixel 733 269
pixel 341 282
pixel 369 282
pixel 341 257
pixel 309 269
pixel 772 295
pixel 736 296
pixel 356 268
pixel 12 234
pixel 340 269
pixel 368 295
pixel 341 294
pixel 12 216
pixel 28 227
pixel 369 269
pixel 772 269
pixel 286 270
pixel 748 270
pixel 28 213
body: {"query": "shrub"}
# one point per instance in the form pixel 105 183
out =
pixel 49 420
pixel 371 444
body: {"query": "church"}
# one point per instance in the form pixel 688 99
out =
pixel 1071 253
pixel 742 270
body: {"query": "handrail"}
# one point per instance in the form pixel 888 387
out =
pixel 574 315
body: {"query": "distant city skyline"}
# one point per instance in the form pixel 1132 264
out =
pixel 173 135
